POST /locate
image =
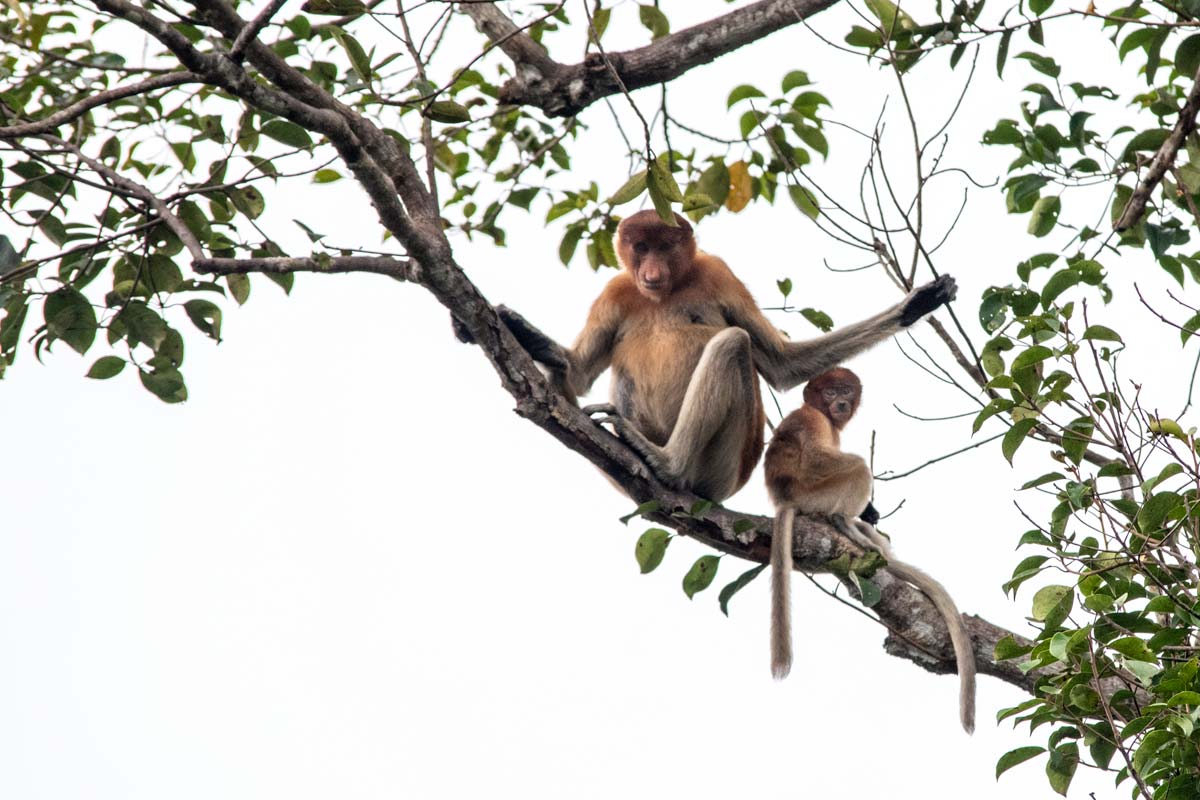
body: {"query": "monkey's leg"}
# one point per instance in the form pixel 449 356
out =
pixel 705 450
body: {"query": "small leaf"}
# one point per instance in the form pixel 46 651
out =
pixel 820 319
pixel 1015 436
pixel 358 56
pixel 1049 477
pixel 1032 356
pixel 650 549
pixel 649 507
pixel 70 317
pixel 1044 216
pixel 1002 52
pixel 340 8
pixel 206 316
pixel 661 177
pixel 239 287
pixel 166 384
pixel 1008 648
pixel 1051 604
pixel 448 111
pixel 785 287
pixel 805 200
pixel 700 575
pixel 289 133
pixel 106 367
pixel 9 260
pixel 630 190
pixel 327 176
pixel 1102 334
pixel 794 80
pixel 655 21
pixel 743 92
pixel 737 585
pixel 1014 757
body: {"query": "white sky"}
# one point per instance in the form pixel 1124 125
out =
pixel 344 568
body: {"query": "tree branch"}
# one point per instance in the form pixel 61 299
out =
pixel 76 110
pixel 400 269
pixel 564 90
pixel 1162 160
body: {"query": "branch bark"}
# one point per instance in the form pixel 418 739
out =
pixel 563 90
pixel 1163 159
pixel 76 110
pixel 400 269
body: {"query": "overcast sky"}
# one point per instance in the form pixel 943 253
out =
pixel 345 568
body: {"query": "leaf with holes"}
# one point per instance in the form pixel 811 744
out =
pixel 206 316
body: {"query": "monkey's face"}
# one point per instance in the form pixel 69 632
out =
pixel 657 254
pixel 840 401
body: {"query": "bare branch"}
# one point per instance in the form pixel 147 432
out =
pixel 1162 160
pixel 76 110
pixel 563 90
pixel 251 31
pixel 400 269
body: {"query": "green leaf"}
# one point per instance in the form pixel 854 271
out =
pixel 106 367
pixel 1018 756
pixel 339 8
pixel 743 92
pixel 1185 699
pixel 1008 647
pixel 1102 334
pixel 1187 56
pixel 327 176
pixel 662 205
pixel 700 575
pixel 655 21
pixel 206 316
pixel 358 56
pixel 239 287
pixel 649 507
pixel 820 319
pixel 868 592
pixel 735 586
pixel 805 200
pixel 1060 767
pixel 1156 509
pixel 448 111
pixel 288 133
pixel 1049 477
pixel 1002 52
pixel 650 549
pixel 1032 356
pixel 165 384
pixel 248 201
pixel 570 240
pixel 1059 282
pixel 1044 216
pixel 1076 437
pixel 70 317
pixel 1052 604
pixel 794 80
pixel 864 37
pixel 1040 7
pixel 9 260
pixel 785 287
pixel 630 190
pixel 1132 647
pixel 664 181
pixel 1015 436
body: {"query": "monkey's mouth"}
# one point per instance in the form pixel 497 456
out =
pixel 654 286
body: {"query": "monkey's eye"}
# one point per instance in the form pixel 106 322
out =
pixel 641 248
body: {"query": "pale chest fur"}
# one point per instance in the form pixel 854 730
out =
pixel 656 352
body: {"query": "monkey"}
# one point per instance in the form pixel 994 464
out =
pixel 807 472
pixel 686 343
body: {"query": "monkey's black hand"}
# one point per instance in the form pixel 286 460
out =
pixel 541 347
pixel 927 298
pixel 869 515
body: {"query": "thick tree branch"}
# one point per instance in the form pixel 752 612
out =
pixel 76 110
pixel 564 90
pixel 1162 160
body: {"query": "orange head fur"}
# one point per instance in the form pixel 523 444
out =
pixel 835 394
pixel 659 257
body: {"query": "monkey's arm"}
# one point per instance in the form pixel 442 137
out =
pixel 785 364
pixel 573 370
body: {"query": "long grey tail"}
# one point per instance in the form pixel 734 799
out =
pixel 964 654
pixel 781 592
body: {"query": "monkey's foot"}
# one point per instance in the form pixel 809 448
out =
pixel 655 457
